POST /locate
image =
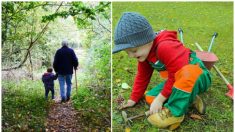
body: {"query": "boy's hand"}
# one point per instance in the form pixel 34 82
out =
pixel 129 103
pixel 156 105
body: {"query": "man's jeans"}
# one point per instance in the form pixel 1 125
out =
pixel 62 80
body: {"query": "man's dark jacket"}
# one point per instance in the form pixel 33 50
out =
pixel 64 61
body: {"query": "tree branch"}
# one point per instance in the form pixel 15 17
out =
pixel 103 25
pixel 31 44
pixel 10 17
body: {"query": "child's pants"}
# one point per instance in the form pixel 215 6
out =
pixel 190 81
pixel 47 90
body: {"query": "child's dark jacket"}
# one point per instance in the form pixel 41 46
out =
pixel 48 80
pixel 168 50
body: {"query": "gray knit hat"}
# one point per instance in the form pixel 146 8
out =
pixel 132 30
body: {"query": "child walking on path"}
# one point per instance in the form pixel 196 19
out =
pixel 185 75
pixel 48 81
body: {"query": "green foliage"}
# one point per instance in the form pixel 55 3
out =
pixel 199 20
pixel 84 95
pixel 21 26
pixel 23 106
pixel 97 62
pixel 94 107
pixel 82 12
pixel 87 98
pixel 94 95
pixel 95 88
pixel 93 98
pixel 100 66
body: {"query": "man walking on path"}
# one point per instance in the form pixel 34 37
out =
pixel 65 61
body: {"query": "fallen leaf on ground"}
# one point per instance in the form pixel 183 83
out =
pixel 125 86
pixel 196 117
pixel 118 80
pixel 127 129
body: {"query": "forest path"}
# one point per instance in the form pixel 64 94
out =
pixel 63 116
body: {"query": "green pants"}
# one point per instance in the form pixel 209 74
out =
pixel 190 81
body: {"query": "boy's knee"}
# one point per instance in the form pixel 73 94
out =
pixel 187 77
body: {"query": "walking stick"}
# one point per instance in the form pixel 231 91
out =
pixel 76 81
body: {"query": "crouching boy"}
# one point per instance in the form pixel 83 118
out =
pixel 185 75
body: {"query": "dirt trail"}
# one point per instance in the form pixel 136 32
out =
pixel 63 117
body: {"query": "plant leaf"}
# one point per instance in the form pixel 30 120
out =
pixel 125 86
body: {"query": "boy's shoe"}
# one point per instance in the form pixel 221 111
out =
pixel 164 119
pixel 200 105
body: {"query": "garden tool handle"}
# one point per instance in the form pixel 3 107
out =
pixel 198 46
pixel 180 30
pixel 212 40
pixel 181 34
pixel 222 76
pixel 147 113
pixel 215 34
pixel 229 86
pixel 216 69
pixel 144 114
pixel 133 117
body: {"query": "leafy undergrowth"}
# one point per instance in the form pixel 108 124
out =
pixel 93 101
pixel 24 107
pixel 171 16
pixel 94 109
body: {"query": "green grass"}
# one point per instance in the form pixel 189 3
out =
pixel 93 99
pixel 199 20
pixel 24 107
pixel 94 109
